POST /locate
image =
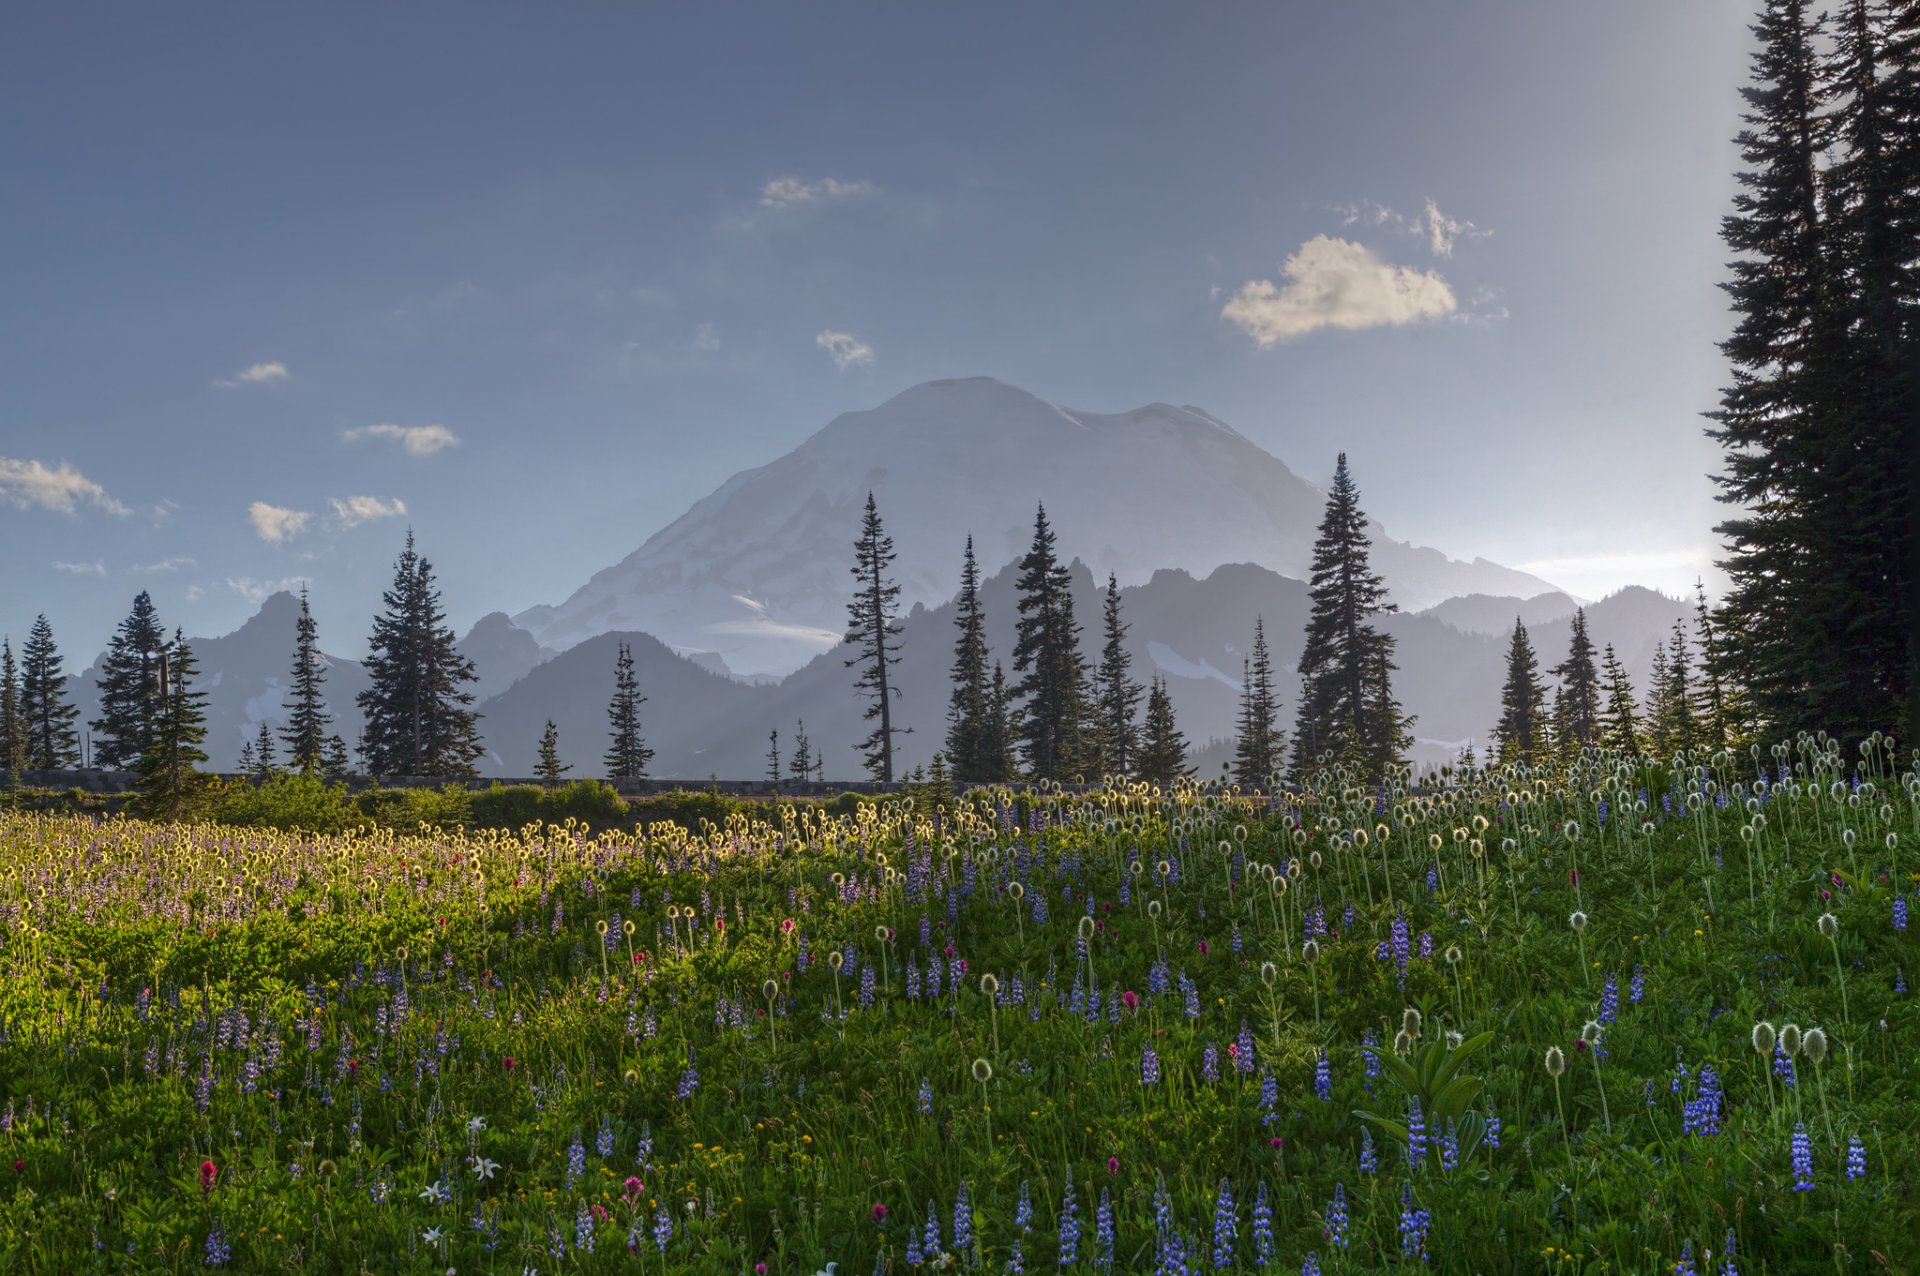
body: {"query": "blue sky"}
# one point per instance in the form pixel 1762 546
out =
pixel 276 282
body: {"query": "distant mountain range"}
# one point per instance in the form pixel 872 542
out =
pixel 757 570
pixel 702 722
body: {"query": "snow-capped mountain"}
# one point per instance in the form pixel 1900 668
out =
pixel 758 570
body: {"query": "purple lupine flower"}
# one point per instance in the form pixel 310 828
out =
pixel 1243 1055
pixel 1262 1225
pixel 1414 1226
pixel 930 1239
pixel 1637 986
pixel 1856 1158
pixel 925 1096
pixel 1369 1158
pixel 1103 1233
pixel 962 1220
pixel 1802 1159
pixel 1069 1227
pixel 1226 1226
pixel 1336 1216
pixel 1210 1063
pixel 219 1253
pixel 1323 1078
pixel 1685 1266
pixel 1727 1267
pixel 1149 1067
pixel 1610 1000
pixel 1416 1134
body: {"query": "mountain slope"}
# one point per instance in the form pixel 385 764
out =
pixel 757 570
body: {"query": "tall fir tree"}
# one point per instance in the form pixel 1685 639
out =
pixel 1715 707
pixel 308 719
pixel 628 755
pixel 773 757
pixel 1347 707
pixel 13 718
pixel 1675 728
pixel 550 769
pixel 1620 723
pixel 1047 656
pixel 264 763
pixel 969 708
pixel 1656 714
pixel 53 744
pixel 334 764
pixel 1577 706
pixel 170 785
pixel 1521 733
pixel 801 767
pixel 1116 696
pixel 873 626
pixel 129 687
pixel 1004 739
pixel 1818 422
pixel 418 719
pixel 1258 742
pixel 1163 749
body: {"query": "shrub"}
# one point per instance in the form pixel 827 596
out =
pixel 292 802
pixel 405 810
pixel 596 805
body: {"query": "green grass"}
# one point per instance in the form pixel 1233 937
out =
pixel 397 989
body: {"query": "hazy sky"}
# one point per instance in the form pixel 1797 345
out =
pixel 276 283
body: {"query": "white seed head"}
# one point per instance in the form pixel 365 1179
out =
pixel 989 985
pixel 836 959
pixel 1829 925
pixel 1310 951
pixel 1578 921
pixel 1590 1031
pixel 1453 954
pixel 982 1071
pixel 1410 1022
pixel 770 990
pixel 1763 1038
pixel 1086 928
pixel 1813 1044
pixel 1790 1039
pixel 1269 973
pixel 1556 1061
pixel 1153 909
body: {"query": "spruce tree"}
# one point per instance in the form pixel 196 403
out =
pixel 52 742
pixel 308 719
pixel 1675 728
pixel 1257 750
pixel 1521 733
pixel 334 763
pixel 1047 655
pixel 801 767
pixel 417 717
pixel 969 724
pixel 1005 735
pixel 773 757
pixel 1620 724
pixel 129 687
pixel 13 719
pixel 1116 696
pixel 872 625
pixel 1163 749
pixel 628 756
pixel 247 764
pixel 1657 712
pixel 263 756
pixel 1577 707
pixel 1347 708
pixel 1713 707
pixel 550 768
pixel 170 783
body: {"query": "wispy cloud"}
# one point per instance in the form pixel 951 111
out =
pixel 1431 226
pixel 258 591
pixel 846 350
pixel 275 524
pixel 355 510
pixel 793 192
pixel 164 565
pixel 1334 283
pixel 95 568
pixel 418 440
pixel 57 487
pixel 255 374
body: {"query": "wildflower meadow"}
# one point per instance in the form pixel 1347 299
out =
pixel 1601 1016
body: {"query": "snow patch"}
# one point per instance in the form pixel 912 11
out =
pixel 1167 660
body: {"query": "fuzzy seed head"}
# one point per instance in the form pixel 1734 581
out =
pixel 1556 1061
pixel 1813 1044
pixel 989 985
pixel 982 1071
pixel 1763 1038
pixel 1829 925
pixel 1790 1039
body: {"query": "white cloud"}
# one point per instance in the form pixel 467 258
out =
pixel 419 440
pixel 1437 230
pixel 195 593
pixel 356 510
pixel 59 487
pixel 792 192
pixel 276 524
pixel 255 374
pixel 164 565
pixel 846 349
pixel 258 591
pixel 95 568
pixel 1443 230
pixel 1334 283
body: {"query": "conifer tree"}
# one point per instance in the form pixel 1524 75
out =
pixel 1657 714
pixel 773 757
pixel 247 764
pixel 334 763
pixel 550 768
pixel 1713 707
pixel 417 717
pixel 1521 733
pixel 1257 749
pixel 129 687
pixel 1347 707
pixel 263 756
pixel 1163 749
pixel 1116 696
pixel 628 756
pixel 52 742
pixel 169 786
pixel 13 719
pixel 969 725
pixel 1577 706
pixel 305 734
pixel 873 626
pixel 802 766
pixel 1005 735
pixel 1046 655
pixel 1620 724
pixel 1675 727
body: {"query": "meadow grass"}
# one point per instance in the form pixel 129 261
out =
pixel 1504 1022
